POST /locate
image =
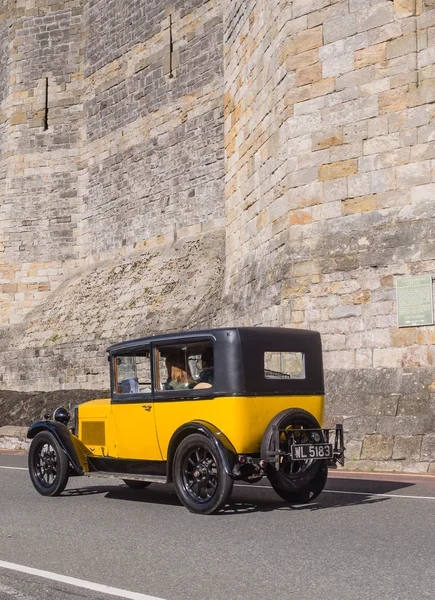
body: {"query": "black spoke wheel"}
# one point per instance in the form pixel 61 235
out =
pixel 291 475
pixel 199 476
pixel 135 484
pixel 308 493
pixel 48 464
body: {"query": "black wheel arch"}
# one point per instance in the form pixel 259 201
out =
pixel 63 437
pixel 224 447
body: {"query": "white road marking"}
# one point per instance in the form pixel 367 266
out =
pixel 81 583
pixel 15 468
pixel 267 487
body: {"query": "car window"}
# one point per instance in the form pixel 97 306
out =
pixel 284 365
pixel 132 374
pixel 185 366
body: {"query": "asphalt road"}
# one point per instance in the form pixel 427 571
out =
pixel 365 537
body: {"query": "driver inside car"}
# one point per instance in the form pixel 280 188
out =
pixel 207 370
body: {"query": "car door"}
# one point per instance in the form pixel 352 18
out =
pixel 134 425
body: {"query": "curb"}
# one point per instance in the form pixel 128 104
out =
pixel 14 438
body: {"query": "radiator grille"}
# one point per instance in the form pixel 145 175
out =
pixel 94 433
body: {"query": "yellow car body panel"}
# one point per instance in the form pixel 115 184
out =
pixel 242 419
pixel 144 430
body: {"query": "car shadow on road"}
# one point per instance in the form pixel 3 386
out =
pixel 346 493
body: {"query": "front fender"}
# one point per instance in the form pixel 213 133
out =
pixel 223 446
pixel 65 439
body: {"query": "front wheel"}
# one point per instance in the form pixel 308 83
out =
pixel 48 464
pixel 199 475
pixel 310 492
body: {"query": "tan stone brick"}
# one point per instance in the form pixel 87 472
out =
pixel 309 74
pixel 8 288
pixel 394 100
pixel 405 8
pixel 369 56
pixel 343 168
pixel 403 337
pixel 358 205
pixel 309 39
pixel 18 118
pixel 300 217
pixel 302 60
pixel 326 139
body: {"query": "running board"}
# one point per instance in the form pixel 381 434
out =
pixel 130 476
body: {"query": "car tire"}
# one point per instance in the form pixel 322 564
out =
pixel 310 492
pixel 291 476
pixel 135 484
pixel 199 476
pixel 48 464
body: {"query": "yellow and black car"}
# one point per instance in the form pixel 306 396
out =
pixel 200 409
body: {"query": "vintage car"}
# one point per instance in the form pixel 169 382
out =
pixel 200 410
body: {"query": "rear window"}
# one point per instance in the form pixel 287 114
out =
pixel 284 365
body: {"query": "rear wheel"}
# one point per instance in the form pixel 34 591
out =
pixel 135 484
pixel 291 475
pixel 310 492
pixel 48 464
pixel 199 475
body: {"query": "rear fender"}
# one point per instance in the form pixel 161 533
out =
pixel 222 444
pixel 68 442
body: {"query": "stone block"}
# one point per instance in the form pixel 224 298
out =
pixel 377 447
pixel 338 29
pixel 309 39
pixel 415 467
pixel 382 143
pixel 428 447
pixel 406 425
pixel 404 8
pixel 306 75
pixel 370 56
pixel 407 447
pixel 352 452
pixel 423 193
pixel 397 99
pixel 374 16
pixel 414 174
pixel 357 428
pixel 18 118
pixel 326 139
pixel 359 205
pixel 339 169
pixel 405 44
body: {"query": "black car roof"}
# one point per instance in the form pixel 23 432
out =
pixel 219 334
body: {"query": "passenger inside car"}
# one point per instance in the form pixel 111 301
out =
pixel 179 377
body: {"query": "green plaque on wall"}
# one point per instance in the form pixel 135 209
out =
pixel 414 301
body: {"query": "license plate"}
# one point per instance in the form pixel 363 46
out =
pixel 308 451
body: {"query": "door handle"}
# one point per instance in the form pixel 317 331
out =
pixel 147 406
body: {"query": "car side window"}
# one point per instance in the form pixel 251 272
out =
pixel 132 374
pixel 185 366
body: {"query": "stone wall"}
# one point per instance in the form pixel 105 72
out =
pixel 39 201
pixel 329 129
pixel 130 148
pixel 153 121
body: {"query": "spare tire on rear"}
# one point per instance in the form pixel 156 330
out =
pixel 291 475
